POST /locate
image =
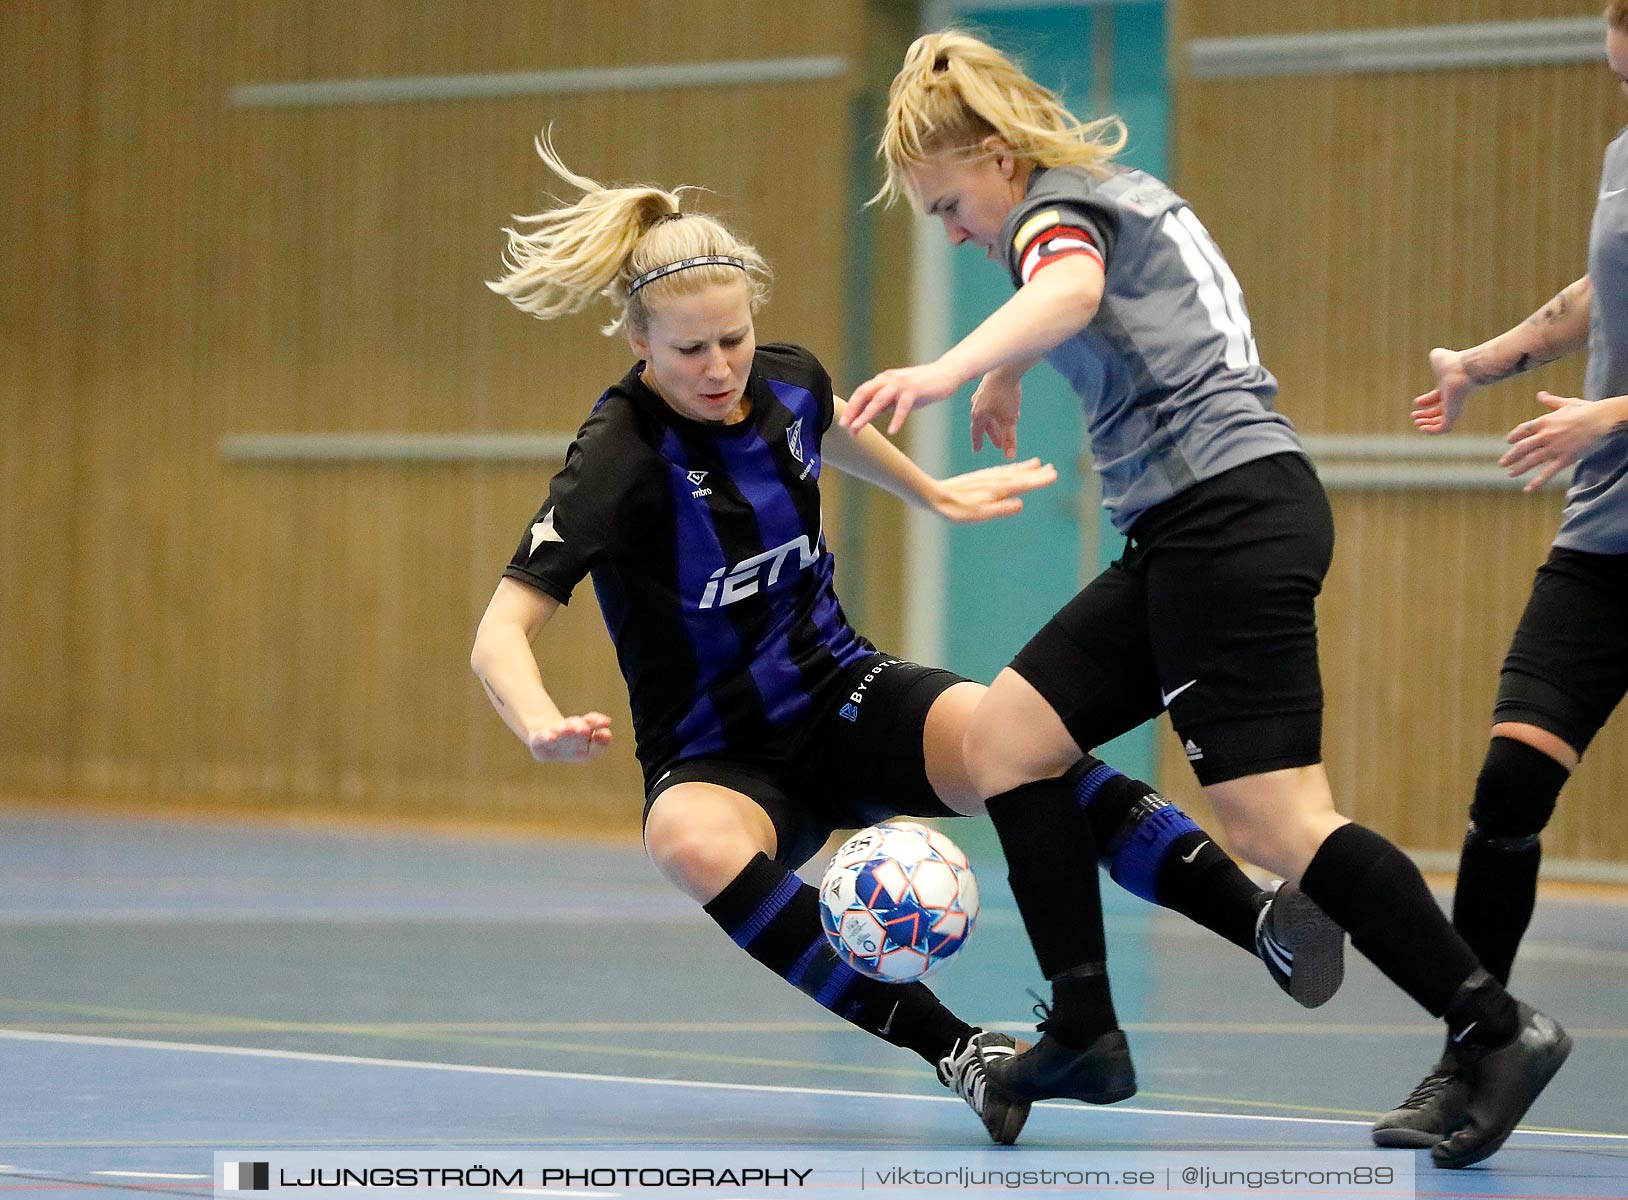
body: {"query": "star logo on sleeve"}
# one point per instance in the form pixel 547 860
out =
pixel 544 531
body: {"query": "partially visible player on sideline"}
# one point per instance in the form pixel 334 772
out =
pixel 763 721
pixel 1209 614
pixel 1568 665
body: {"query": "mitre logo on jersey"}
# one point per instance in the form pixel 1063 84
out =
pixel 794 439
pixel 696 478
pixel 729 584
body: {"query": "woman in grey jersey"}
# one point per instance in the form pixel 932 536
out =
pixel 1567 667
pixel 1210 613
pixel 763 721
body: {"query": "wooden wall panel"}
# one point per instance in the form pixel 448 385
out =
pixel 1253 18
pixel 281 634
pixel 1370 217
pixel 40 262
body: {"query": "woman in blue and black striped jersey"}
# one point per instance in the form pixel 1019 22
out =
pixel 762 720
pixel 1210 612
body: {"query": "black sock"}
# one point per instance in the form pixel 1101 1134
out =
pixel 1481 1013
pixel 1372 889
pixel 1493 902
pixel 1210 889
pixel 1051 862
pixel 1497 887
pixel 775 917
pixel 1156 851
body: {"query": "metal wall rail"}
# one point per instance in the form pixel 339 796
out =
pixel 394 447
pixel 641 77
pixel 1419 48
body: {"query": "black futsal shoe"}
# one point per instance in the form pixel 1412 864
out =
pixel 1302 947
pixel 1102 1073
pixel 965 1071
pixel 1503 1083
pixel 1431 1111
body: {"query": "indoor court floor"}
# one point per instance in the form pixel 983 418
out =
pixel 171 988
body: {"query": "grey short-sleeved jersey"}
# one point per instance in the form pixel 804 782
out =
pixel 1172 384
pixel 1596 516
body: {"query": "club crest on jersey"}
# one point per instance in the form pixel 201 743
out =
pixel 697 478
pixel 730 584
pixel 794 439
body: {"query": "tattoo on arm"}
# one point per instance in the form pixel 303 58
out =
pixel 492 692
pixel 1483 372
pixel 1480 363
pixel 1553 311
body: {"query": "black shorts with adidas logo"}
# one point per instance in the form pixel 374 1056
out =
pixel 1210 613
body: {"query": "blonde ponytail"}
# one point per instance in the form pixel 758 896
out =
pixel 955 90
pixel 597 246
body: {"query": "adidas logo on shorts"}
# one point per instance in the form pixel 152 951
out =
pixel 1193 752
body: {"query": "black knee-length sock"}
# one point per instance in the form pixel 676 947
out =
pixel 775 918
pixel 1497 889
pixel 1372 889
pixel 1051 862
pixel 1156 851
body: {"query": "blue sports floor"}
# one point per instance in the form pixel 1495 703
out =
pixel 173 988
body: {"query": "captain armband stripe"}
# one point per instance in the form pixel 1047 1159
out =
pixel 1060 241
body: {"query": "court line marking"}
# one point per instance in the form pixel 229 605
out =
pixel 772 1089
pixel 209 1023
pixel 242 1025
pixel 165 1020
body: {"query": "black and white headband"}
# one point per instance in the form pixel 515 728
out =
pixel 683 264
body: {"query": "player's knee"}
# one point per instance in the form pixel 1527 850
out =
pixel 1515 794
pixel 700 862
pixel 1283 844
pixel 981 751
pixel 1252 842
pixel 997 761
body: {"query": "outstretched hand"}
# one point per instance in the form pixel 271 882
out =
pixel 991 492
pixel 1553 441
pixel 1437 410
pixel 901 389
pixel 571 739
pixel 996 406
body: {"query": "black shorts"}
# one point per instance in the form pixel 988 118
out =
pixel 1211 614
pixel 1568 665
pixel 862 760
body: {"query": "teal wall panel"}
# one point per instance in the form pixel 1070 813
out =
pixel 1006 580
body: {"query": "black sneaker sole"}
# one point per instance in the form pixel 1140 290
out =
pixel 1121 1085
pixel 1017 1112
pixel 1397 1138
pixel 1112 1096
pixel 1007 1133
pixel 1552 1063
pixel 1318 946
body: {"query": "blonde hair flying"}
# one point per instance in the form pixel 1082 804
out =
pixel 955 90
pixel 598 246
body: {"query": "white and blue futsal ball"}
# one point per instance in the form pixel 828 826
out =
pixel 898 900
